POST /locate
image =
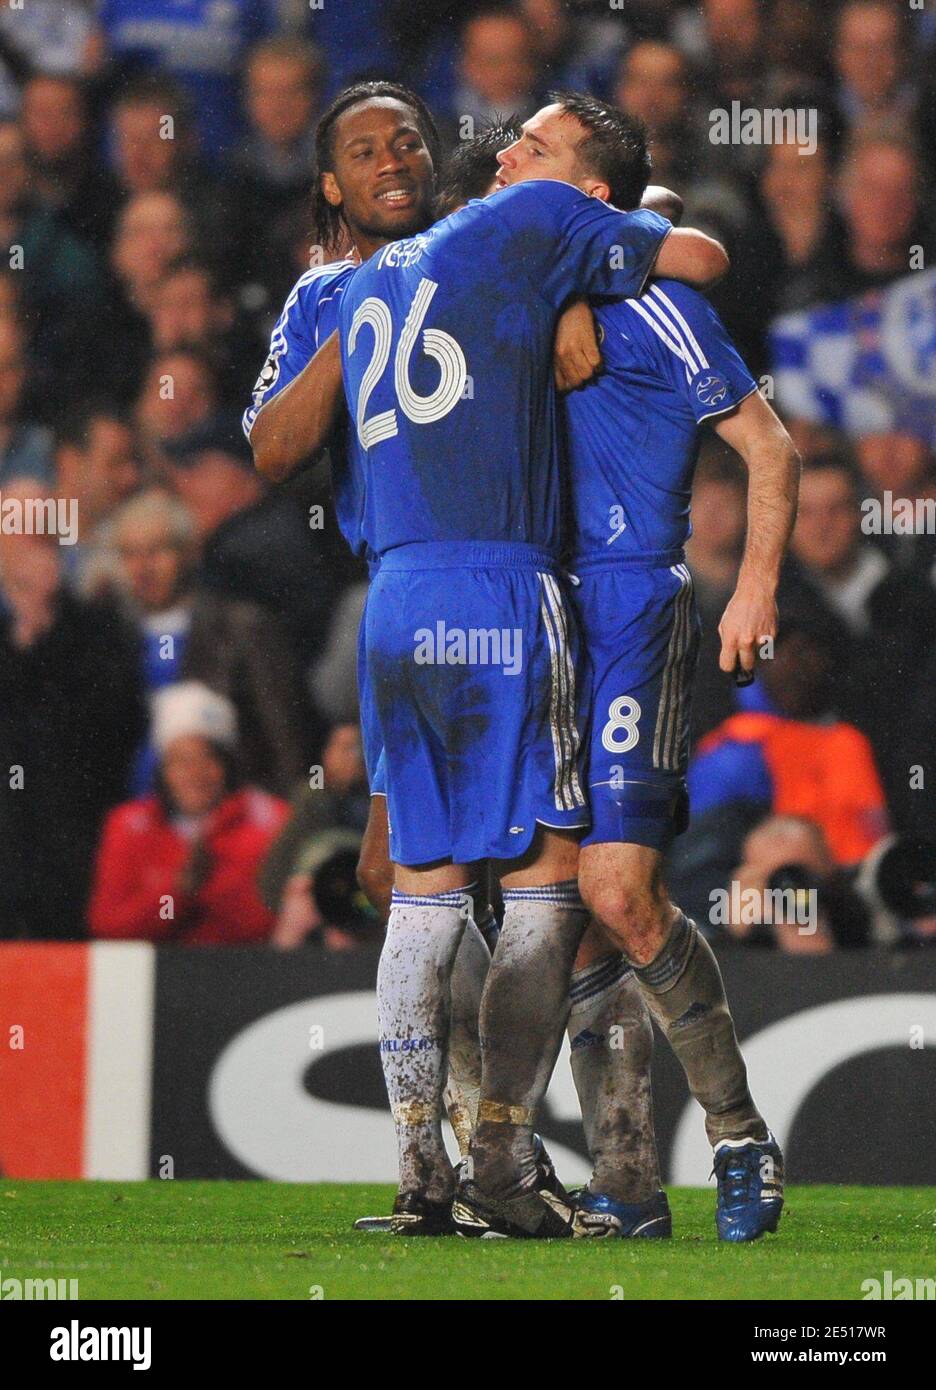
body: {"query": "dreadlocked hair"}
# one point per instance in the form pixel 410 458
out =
pixel 328 224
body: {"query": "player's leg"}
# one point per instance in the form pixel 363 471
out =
pixel 429 908
pixel 611 1039
pixel 639 750
pixel 463 1086
pixel 374 869
pixel 375 876
pixel 678 975
pixel 513 767
pixel 524 1007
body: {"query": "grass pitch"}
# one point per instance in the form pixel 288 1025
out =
pixel 216 1240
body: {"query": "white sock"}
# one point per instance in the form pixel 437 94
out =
pixel 413 1009
pixel 523 1016
pixel 463 1088
pixel 612 1047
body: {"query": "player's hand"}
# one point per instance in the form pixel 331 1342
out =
pixel 751 615
pixel 576 355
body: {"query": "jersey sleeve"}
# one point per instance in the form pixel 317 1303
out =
pixel 293 344
pixel 575 245
pixel 693 349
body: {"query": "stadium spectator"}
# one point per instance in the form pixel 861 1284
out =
pixel 26 448
pixel 881 187
pixel 151 137
pixel 65 176
pixel 318 848
pixel 191 308
pixel 719 501
pixel 71 713
pixel 497 70
pixel 283 93
pixel 803 240
pixel 890 616
pixel 96 465
pixel 903 464
pixel 181 866
pixel 577 48
pixel 791 756
pixel 734 52
pixel 789 893
pixel 870 49
pixel 59 37
pixel 178 402
pixel 201 46
pixel 272 169
pixel 154 151
pixel 152 231
pixel 653 84
pixel 261 545
pixel 235 648
pixel 62 281
pixel 797 51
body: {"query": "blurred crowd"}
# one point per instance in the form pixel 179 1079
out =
pixel 183 667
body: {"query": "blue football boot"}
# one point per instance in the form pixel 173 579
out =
pixel 598 1216
pixel 749 1173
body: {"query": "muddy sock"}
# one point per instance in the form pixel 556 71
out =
pixel 413 1006
pixel 463 1088
pixel 523 1015
pixel 684 991
pixel 612 1045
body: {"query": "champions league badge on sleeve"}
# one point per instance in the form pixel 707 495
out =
pixel 711 390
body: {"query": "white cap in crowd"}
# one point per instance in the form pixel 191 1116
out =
pixel 189 707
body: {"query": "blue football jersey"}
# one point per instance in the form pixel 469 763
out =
pixel 446 342
pixel 631 436
pixel 308 319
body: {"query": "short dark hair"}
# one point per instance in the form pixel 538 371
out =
pixel 327 221
pixel 75 427
pixel 614 147
pixel 470 168
pixel 191 261
pixel 156 89
pixel 836 461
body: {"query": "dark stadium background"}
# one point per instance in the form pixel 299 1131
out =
pixel 154 197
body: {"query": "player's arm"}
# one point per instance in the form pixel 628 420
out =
pixel 296 422
pixel 754 431
pixel 689 255
pixel 577 355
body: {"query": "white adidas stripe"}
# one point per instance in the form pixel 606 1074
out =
pixel 691 360
pixel 673 693
pixel 673 346
pixel 682 321
pixel 567 792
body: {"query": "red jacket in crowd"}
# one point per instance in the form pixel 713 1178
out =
pixel 137 893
